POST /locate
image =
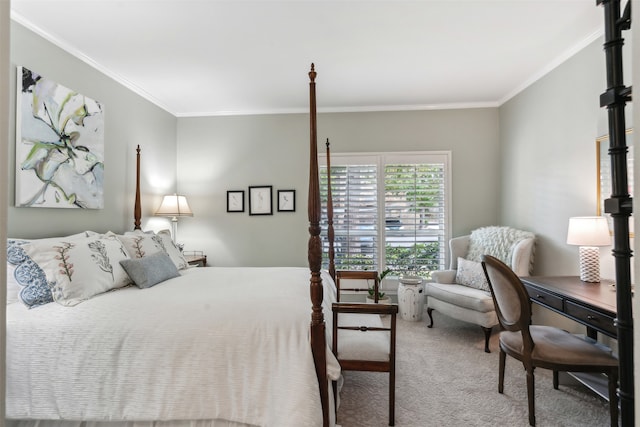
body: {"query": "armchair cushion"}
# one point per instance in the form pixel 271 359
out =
pixel 470 273
pixel 461 296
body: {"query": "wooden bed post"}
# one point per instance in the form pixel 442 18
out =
pixel 137 211
pixel 330 231
pixel 318 337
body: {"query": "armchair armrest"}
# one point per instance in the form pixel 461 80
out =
pixel 444 276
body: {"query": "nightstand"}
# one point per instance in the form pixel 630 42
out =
pixel 195 258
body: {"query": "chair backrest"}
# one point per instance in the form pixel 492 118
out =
pixel 368 275
pixel 510 298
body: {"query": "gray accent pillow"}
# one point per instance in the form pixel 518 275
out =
pixel 150 270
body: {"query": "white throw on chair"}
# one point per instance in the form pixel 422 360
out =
pixel 462 291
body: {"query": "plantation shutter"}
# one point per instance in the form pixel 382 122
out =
pixel 415 214
pixel 355 215
pixel 390 210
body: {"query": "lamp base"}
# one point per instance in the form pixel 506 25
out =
pixel 589 264
pixel 174 229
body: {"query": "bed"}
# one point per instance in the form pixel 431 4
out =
pixel 192 349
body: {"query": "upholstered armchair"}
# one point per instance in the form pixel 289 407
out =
pixel 462 292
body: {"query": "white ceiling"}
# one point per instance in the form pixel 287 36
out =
pixel 214 57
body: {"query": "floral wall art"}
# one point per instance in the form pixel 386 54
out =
pixel 59 145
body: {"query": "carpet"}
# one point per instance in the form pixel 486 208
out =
pixel 444 378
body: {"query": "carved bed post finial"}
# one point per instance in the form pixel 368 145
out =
pixel 312 75
pixel 137 210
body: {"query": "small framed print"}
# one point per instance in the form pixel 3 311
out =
pixel 260 200
pixel 235 201
pixel 286 200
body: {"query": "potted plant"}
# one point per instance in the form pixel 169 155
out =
pixel 382 297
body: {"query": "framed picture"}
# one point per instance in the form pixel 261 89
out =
pixel 235 201
pixel 59 145
pixel 603 167
pixel 286 200
pixel 260 200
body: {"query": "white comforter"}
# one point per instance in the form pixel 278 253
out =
pixel 215 343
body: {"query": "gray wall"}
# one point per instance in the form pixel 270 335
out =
pixel 547 136
pixel 129 120
pixel 217 154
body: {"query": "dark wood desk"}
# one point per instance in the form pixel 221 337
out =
pixel 591 304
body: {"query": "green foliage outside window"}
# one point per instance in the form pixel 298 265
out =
pixel 418 260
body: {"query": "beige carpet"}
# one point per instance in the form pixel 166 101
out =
pixel 444 378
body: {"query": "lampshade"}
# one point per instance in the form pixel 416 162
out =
pixel 174 205
pixel 588 231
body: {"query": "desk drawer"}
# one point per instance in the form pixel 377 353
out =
pixel 590 317
pixel 543 297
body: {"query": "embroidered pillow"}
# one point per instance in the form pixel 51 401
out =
pixel 80 269
pixel 150 270
pixel 172 249
pixel 140 244
pixel 471 274
pixel 26 282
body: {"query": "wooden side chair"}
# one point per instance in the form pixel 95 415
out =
pixel 361 341
pixel 539 346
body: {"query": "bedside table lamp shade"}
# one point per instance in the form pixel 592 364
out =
pixel 589 232
pixel 174 206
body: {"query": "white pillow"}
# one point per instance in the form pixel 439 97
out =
pixel 140 244
pixel 172 249
pixel 26 282
pixel 470 273
pixel 80 269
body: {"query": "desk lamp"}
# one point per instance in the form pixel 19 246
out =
pixel 174 206
pixel 589 232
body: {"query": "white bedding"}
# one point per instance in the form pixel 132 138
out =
pixel 215 343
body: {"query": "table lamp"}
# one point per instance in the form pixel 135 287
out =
pixel 174 206
pixel 589 232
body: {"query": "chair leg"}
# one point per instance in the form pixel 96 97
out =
pixel 531 396
pixel 392 397
pixel 429 311
pixel 613 397
pixel 503 358
pixel 555 380
pixel 487 336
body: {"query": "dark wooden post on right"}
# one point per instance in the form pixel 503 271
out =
pixel 619 205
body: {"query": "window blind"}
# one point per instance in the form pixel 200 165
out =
pixel 390 211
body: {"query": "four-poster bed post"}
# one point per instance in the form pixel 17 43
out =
pixel 620 203
pixel 330 231
pixel 318 329
pixel 137 210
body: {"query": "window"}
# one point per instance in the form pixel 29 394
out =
pixel 399 199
